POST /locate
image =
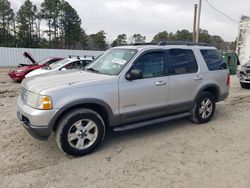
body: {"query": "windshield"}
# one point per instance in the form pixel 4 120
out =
pixel 43 61
pixel 111 62
pixel 58 64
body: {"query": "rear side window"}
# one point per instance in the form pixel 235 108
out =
pixel 182 61
pixel 213 60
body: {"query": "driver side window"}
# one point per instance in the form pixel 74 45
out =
pixel 151 64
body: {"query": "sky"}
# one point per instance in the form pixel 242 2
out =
pixel 149 17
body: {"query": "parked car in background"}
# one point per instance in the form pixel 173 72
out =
pixel 244 75
pixel 126 87
pixel 23 69
pixel 65 64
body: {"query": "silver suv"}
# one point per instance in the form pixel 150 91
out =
pixel 126 87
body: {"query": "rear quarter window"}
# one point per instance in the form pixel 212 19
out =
pixel 213 60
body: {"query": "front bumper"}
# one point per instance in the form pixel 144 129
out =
pixel 244 77
pixel 16 77
pixel 36 122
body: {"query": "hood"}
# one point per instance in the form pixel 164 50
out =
pixel 51 80
pixel 247 64
pixel 28 55
pixel 37 72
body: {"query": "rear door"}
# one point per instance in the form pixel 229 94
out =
pixel 184 79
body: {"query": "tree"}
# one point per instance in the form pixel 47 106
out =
pixel 51 12
pixel 6 22
pixel 161 36
pixel 70 24
pixel 183 35
pixel 138 38
pixel 204 36
pixel 26 17
pixel 217 41
pixel 97 41
pixel 171 36
pixel 84 40
pixel 121 40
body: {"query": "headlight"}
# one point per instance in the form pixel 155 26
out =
pixel 243 68
pixel 41 102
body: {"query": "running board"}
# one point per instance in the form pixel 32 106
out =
pixel 150 122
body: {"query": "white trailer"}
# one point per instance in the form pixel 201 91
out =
pixel 243 42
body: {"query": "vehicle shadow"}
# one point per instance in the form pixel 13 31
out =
pixel 114 139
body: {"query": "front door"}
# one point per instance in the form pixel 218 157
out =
pixel 147 97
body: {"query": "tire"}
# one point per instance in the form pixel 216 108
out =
pixel 80 132
pixel 204 108
pixel 244 85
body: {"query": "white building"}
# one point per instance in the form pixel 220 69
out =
pixel 243 42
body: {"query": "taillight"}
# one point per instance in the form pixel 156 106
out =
pixel 228 80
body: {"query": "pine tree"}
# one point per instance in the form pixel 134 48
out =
pixel 26 17
pixel 51 13
pixel 6 23
pixel 70 24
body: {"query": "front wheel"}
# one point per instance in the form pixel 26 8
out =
pixel 80 132
pixel 204 108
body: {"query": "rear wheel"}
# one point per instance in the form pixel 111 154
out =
pixel 204 108
pixel 80 132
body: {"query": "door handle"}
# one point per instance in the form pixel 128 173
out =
pixel 198 78
pixel 160 83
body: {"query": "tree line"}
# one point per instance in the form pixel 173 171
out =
pixel 63 29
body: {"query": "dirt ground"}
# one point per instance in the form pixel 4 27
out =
pixel 177 154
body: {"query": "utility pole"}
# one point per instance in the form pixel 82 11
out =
pixel 194 24
pixel 198 23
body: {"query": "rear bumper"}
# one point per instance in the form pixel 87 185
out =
pixel 36 122
pixel 223 96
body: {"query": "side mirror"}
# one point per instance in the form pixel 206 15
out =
pixel 63 69
pixel 134 74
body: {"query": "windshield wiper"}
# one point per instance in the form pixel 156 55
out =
pixel 92 70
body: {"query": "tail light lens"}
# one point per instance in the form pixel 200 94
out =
pixel 228 80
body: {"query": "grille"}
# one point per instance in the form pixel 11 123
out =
pixel 23 94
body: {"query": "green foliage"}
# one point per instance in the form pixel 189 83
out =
pixel 50 12
pixel 138 38
pixel 204 36
pixel 121 40
pixel 64 29
pixel 70 24
pixel 97 41
pixel 183 35
pixel 26 17
pixel 6 23
pixel 161 36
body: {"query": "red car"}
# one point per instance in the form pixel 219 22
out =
pixel 23 69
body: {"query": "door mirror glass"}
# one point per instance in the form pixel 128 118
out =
pixel 134 74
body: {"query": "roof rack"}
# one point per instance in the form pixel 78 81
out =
pixel 146 43
pixel 164 43
pixel 85 56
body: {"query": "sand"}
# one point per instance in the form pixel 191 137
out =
pixel 177 154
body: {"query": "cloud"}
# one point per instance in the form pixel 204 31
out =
pixel 149 17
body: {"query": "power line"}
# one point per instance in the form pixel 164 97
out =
pixel 221 12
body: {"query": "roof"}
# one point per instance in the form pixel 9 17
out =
pixel 148 47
